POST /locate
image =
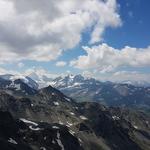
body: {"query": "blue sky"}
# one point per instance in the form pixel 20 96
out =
pixel 135 29
pixel 131 29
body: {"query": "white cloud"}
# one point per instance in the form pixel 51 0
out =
pixel 35 72
pixel 39 73
pixel 61 63
pixel 88 74
pixel 42 30
pixel 20 64
pixel 130 76
pixel 2 71
pixel 7 71
pixel 119 76
pixel 104 58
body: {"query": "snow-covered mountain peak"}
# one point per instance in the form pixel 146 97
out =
pixel 25 79
pixel 72 81
pixel 21 77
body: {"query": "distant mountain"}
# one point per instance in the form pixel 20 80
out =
pixel 18 85
pixel 25 79
pixel 82 89
pixel 109 93
pixel 137 83
pixel 73 81
pixel 42 79
pixel 49 120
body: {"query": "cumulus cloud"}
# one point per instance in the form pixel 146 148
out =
pixel 43 30
pixel 61 63
pixel 104 58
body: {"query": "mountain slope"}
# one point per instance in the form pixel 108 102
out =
pixel 26 135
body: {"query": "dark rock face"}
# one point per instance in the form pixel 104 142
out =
pixel 4 83
pixel 25 87
pixel 9 133
pixel 120 128
pixel 15 134
pixel 110 129
pixel 49 120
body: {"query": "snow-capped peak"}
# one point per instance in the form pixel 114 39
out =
pixel 21 77
pixel 25 79
pixel 70 81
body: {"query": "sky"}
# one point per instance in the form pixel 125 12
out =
pixel 105 39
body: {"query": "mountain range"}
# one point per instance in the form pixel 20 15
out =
pixel 108 93
pixel 83 89
pixel 47 119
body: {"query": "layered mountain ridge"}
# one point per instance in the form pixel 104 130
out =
pixel 49 120
pixel 83 89
pixel 108 93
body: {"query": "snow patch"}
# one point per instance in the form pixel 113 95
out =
pixel 28 121
pixel 76 108
pixel 55 127
pixel 115 117
pixel 12 141
pixel 42 148
pixel 72 132
pixel 68 99
pixel 56 103
pixel 72 113
pixel 80 140
pixel 34 129
pixel 83 118
pixel 59 141
pixel 136 127
pixel 61 123
pixel 53 142
pixel 69 124
pixel 17 87
pixel 53 94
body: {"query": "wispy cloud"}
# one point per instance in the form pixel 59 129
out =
pixel 61 63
